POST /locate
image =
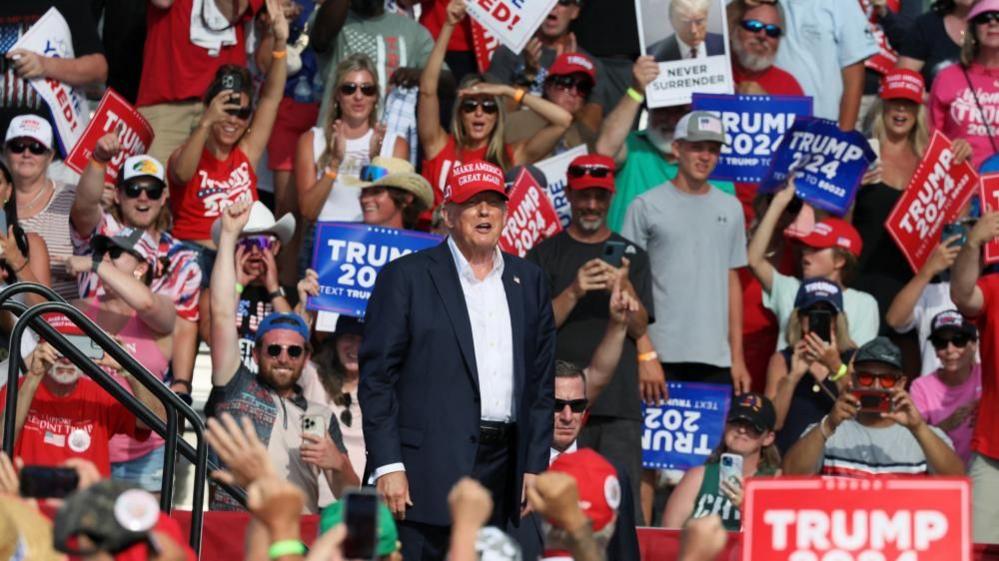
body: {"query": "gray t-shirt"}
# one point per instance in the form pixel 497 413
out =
pixel 693 241
pixel 858 451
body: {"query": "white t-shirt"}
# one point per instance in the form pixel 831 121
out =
pixel 343 203
pixel 934 299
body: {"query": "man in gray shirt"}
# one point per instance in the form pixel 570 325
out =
pixel 695 237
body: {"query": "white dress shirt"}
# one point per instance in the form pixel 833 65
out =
pixel 702 49
pixel 553 453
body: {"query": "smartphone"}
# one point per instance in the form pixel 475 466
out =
pixel 314 425
pixel 48 482
pixel 235 98
pixel 730 469
pixel 955 229
pixel 613 252
pixel 820 323
pixel 874 400
pixel 86 345
pixel 360 515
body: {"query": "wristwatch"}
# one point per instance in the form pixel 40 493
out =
pixel 279 293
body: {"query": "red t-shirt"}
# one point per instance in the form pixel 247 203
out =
pixel 215 185
pixel 175 68
pixel 78 425
pixel 437 169
pixel 433 17
pixel 985 441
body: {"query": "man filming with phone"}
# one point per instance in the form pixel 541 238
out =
pixel 873 429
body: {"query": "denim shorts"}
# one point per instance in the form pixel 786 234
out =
pixel 144 471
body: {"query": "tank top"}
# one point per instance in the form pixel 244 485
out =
pixel 144 345
pixel 710 500
pixel 437 169
pixel 52 224
pixel 216 184
pixel 343 204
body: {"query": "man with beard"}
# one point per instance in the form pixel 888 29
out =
pixel 576 264
pixel 644 158
pixel 303 438
pixel 139 201
pixel 755 33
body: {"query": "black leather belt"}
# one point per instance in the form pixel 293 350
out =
pixel 495 432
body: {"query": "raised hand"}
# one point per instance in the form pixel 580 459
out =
pixel 644 72
pixel 239 448
pixel 235 216
pixel 455 12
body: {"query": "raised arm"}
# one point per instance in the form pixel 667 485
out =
pixel 39 362
pixel 760 242
pixel 964 289
pixel 86 213
pixel 900 312
pixel 940 456
pixel 605 359
pixel 853 89
pixel 329 21
pixel 805 456
pixel 225 338
pixel 255 140
pixel 145 396
pixel 312 192
pixel 155 310
pixel 617 124
pixel 432 135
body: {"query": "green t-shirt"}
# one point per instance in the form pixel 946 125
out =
pixel 644 169
pixel 710 499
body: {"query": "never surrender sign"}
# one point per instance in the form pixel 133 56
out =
pixel 348 256
pixel 113 114
pixel 837 519
pixel 682 433
pixel 754 127
pixel 530 218
pixel 936 194
pixel 825 162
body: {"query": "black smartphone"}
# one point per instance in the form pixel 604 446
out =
pixel 873 400
pixel 955 229
pixel 235 98
pixel 86 345
pixel 612 252
pixel 360 514
pixel 48 482
pixel 820 323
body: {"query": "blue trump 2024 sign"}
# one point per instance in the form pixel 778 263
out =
pixel 682 433
pixel 754 126
pixel 827 163
pixel 348 256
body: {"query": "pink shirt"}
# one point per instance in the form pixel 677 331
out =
pixel 953 110
pixel 936 401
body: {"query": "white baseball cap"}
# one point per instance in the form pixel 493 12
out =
pixel 30 126
pixel 142 166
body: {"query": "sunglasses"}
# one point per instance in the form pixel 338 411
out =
pixel 373 173
pixel 755 26
pixel 294 351
pixel 576 405
pixel 262 242
pixel 959 341
pixel 470 105
pixel 114 252
pixel 566 82
pixel 867 379
pixel 19 146
pixel 986 17
pixel 133 190
pixel 242 113
pixel 592 171
pixel 349 88
pixel 568 3
pixel 346 417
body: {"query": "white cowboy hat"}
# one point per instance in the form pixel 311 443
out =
pixel 261 222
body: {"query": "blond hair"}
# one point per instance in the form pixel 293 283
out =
pixel 495 148
pixel 919 135
pixel 354 63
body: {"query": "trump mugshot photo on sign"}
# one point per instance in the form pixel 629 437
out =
pixel 689 40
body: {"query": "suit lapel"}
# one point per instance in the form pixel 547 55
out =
pixel 444 274
pixel 515 300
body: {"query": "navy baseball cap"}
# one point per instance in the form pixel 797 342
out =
pixel 754 408
pixel 279 320
pixel 818 291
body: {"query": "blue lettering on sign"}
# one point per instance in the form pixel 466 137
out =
pixel 754 127
pixel 682 433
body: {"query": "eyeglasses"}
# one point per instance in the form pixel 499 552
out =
pixel 132 190
pixel 985 18
pixel 582 85
pixel 576 405
pixel 349 88
pixel 470 105
pixel 373 173
pixel 242 113
pixel 294 351
pixel 755 26
pixel 33 146
pixel 346 417
pixel 960 341
pixel 592 171
pixel 867 379
pixel 262 242
pixel 114 252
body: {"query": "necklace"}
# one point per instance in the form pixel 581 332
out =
pixel 35 199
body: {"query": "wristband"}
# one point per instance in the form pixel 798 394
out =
pixel 286 547
pixel 843 370
pixel 277 55
pixel 646 357
pixel 239 288
pixel 635 94
pixel 518 95
pixel 279 293
pixel 330 173
pixel 822 428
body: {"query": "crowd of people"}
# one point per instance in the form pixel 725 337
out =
pixel 495 403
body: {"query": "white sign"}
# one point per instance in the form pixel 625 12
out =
pixel 50 37
pixel 513 22
pixel 555 170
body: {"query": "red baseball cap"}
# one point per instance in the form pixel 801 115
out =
pixel 472 178
pixel 834 232
pixel 591 170
pixel 596 479
pixel 903 84
pixel 570 63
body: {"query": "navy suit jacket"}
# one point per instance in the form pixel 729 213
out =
pixel 669 48
pixel 419 389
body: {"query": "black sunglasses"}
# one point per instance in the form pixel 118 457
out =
pixel 986 17
pixel 469 105
pixel 755 26
pixel 576 405
pixel 132 190
pixel 592 171
pixel 114 252
pixel 583 85
pixel 959 341
pixel 33 146
pixel 241 113
pixel 346 417
pixel 349 88
pixel 294 351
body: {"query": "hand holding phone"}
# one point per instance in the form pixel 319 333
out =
pixel 820 323
pixel 48 482
pixel 730 469
pixel 873 400
pixel 612 253
pixel 360 516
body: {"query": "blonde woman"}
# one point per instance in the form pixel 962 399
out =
pixel 477 119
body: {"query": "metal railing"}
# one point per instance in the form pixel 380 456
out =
pixel 173 405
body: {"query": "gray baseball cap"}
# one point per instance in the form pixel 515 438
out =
pixel 880 349
pixel 698 126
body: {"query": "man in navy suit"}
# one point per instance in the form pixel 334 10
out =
pixel 691 39
pixel 457 368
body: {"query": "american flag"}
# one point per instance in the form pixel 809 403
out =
pixel 14 92
pixel 9 34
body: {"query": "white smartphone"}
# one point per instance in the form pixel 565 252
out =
pixel 730 469
pixel 314 425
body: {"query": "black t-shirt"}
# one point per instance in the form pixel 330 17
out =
pixel 809 403
pixel 928 41
pixel 608 29
pixel 882 269
pixel 561 257
pixel 254 305
pixel 17 97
